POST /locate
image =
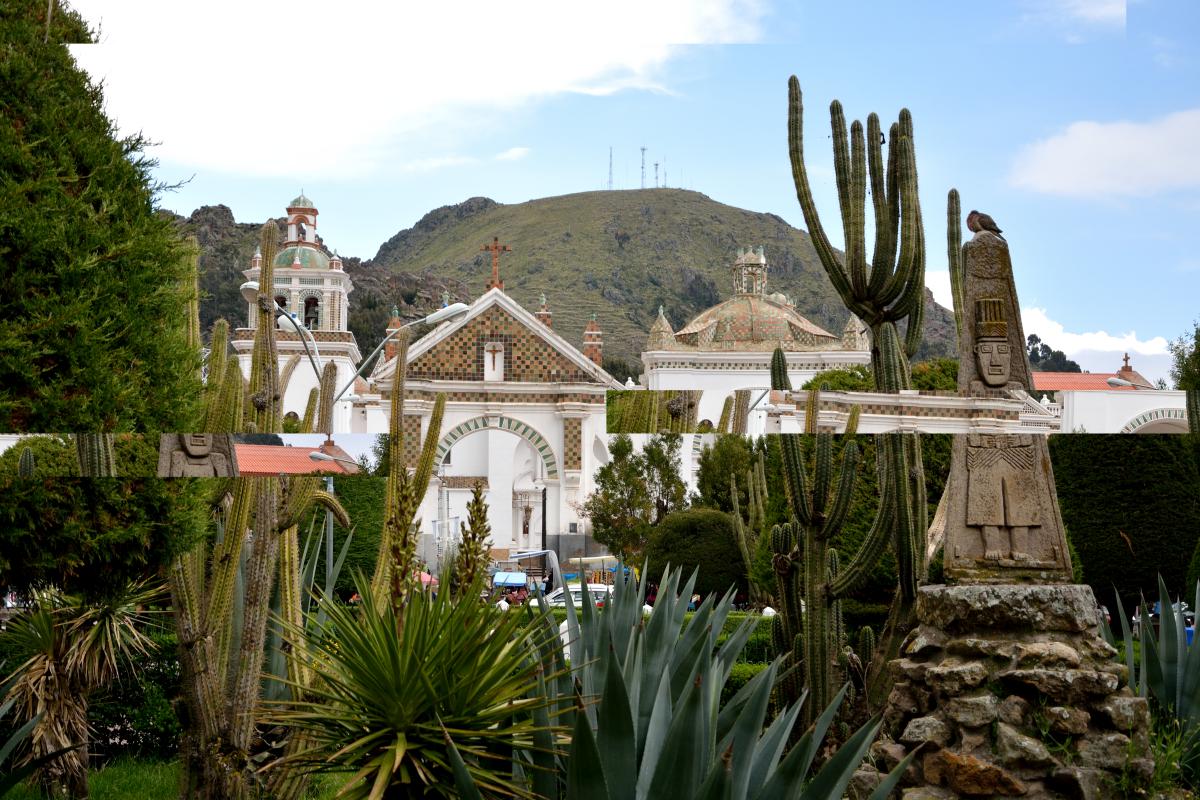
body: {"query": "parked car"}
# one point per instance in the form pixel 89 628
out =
pixel 600 593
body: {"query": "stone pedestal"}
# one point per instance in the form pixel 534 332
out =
pixel 1010 691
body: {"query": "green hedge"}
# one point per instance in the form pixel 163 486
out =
pixel 698 538
pixel 739 677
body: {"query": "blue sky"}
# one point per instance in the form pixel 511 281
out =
pixel 1075 123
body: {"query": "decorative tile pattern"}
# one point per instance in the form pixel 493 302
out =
pixel 412 439
pixel 596 398
pixel 572 443
pixel 527 357
pixel 464 482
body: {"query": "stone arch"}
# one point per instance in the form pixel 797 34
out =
pixel 1158 420
pixel 513 426
pixel 318 308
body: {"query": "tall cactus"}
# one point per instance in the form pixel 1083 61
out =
pixel 96 455
pixel 222 598
pixel 26 466
pixel 747 533
pixel 810 581
pixel 888 291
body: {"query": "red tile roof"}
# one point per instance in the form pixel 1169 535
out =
pixel 1074 381
pixel 268 459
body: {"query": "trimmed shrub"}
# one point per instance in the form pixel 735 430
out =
pixel 699 538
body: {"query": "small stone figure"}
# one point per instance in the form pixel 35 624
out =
pixel 197 455
pixel 977 221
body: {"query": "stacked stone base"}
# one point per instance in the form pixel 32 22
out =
pixel 1010 691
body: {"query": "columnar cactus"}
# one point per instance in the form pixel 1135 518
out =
pixel 26 465
pixel 96 456
pixel 888 291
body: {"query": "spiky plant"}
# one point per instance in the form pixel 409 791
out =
pixel 69 649
pixel 410 705
pixel 885 293
pixel 726 415
pixel 472 556
pixel 747 533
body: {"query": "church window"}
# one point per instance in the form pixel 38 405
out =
pixel 312 313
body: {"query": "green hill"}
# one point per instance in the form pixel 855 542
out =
pixel 617 254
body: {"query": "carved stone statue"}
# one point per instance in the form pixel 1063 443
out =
pixel 1001 508
pixel 196 455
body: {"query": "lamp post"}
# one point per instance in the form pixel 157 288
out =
pixel 1117 383
pixel 250 291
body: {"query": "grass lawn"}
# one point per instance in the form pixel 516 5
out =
pixel 152 780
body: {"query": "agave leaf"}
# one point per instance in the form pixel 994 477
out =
pixel 770 748
pixel 656 735
pixel 680 765
pixel 462 778
pixel 806 748
pixel 743 739
pixel 884 790
pixel 615 736
pixel 835 776
pixel 720 782
pixel 1126 635
pixel 585 771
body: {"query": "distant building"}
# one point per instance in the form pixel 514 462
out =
pixel 311 286
pixel 265 460
pixel 729 346
pixel 1112 402
pixel 524 417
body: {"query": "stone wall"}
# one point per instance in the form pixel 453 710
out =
pixel 1010 691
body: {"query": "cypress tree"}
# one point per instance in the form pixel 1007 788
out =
pixel 96 289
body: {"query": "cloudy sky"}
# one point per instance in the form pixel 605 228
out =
pixel 1075 123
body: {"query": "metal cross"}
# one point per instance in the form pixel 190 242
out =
pixel 493 348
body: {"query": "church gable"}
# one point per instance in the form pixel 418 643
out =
pixel 495 336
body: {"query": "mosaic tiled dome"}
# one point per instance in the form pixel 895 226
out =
pixel 310 258
pixel 751 322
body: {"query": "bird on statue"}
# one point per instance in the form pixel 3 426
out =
pixel 977 222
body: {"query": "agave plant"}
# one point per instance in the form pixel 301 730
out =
pixel 647 719
pixel 71 648
pixel 408 707
pixel 1166 669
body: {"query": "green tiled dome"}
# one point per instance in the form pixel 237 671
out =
pixel 301 201
pixel 310 258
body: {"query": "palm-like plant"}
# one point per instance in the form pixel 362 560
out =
pixel 405 706
pixel 72 648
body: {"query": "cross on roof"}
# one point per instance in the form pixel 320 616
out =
pixel 496 249
pixel 1126 361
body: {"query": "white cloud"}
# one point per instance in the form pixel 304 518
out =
pixel 513 154
pixel 1036 321
pixel 320 89
pixel 1098 12
pixel 1091 159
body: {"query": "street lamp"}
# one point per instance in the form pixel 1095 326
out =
pixel 317 455
pixel 1117 383
pixel 441 315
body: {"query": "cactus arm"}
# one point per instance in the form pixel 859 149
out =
pixel 910 218
pixel 812 219
pixel 836 515
pixel 330 503
pixel 309 420
pixel 794 480
pixel 779 371
pixel 954 254
pixel 852 420
pixel 726 413
pixel 873 545
pixel 285 375
pixel 328 389
pixel 856 248
pixel 822 478
pixel 885 229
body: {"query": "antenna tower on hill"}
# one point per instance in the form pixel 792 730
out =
pixel 643 166
pixel 610 168
pixel 655 174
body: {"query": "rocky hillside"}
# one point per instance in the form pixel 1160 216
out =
pixel 618 255
pixel 621 254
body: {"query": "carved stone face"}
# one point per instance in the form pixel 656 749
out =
pixel 994 359
pixel 196 445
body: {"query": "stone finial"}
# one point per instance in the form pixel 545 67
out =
pixel 543 314
pixel 593 342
